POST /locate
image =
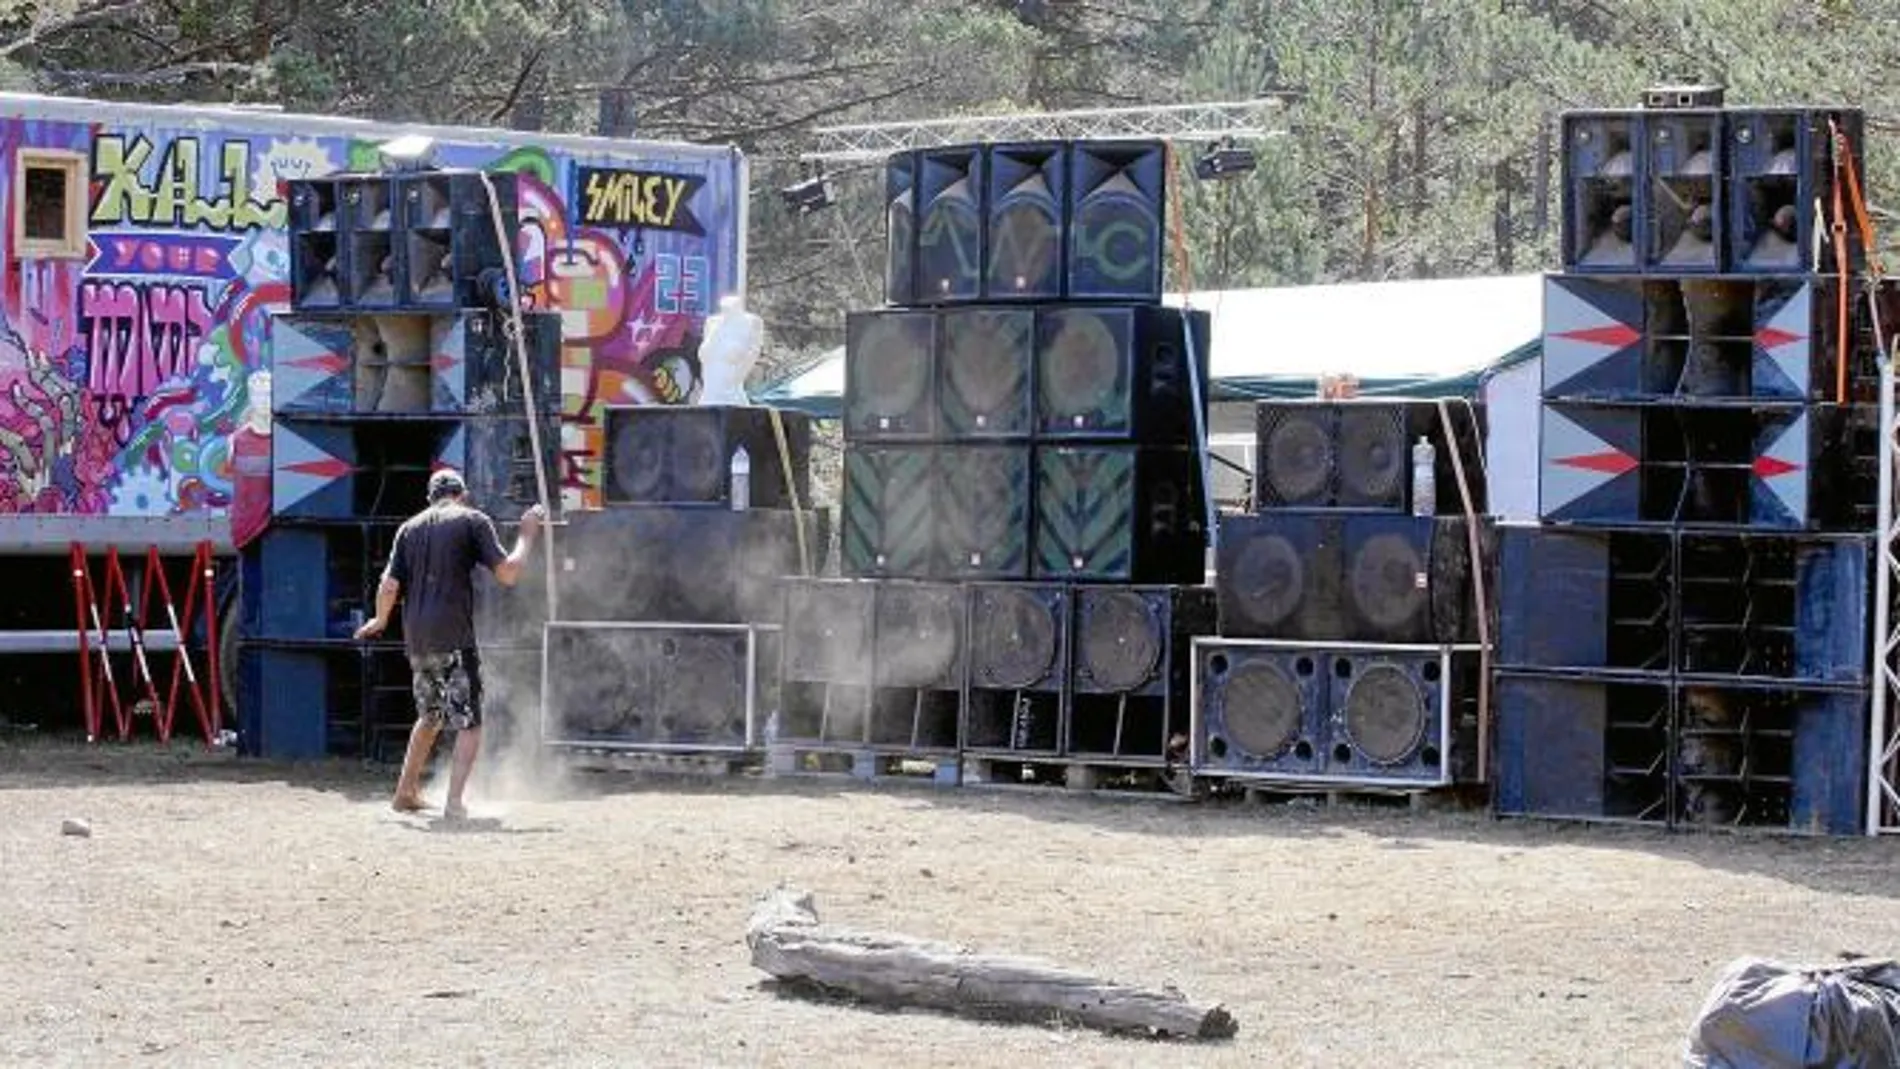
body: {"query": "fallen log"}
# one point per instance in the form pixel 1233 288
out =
pixel 788 942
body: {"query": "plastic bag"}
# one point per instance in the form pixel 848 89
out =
pixel 1765 1015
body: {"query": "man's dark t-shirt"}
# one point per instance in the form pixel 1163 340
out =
pixel 434 558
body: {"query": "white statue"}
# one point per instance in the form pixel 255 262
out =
pixel 734 339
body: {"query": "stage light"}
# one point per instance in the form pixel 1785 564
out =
pixel 1224 162
pixel 811 195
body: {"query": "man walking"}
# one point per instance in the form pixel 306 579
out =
pixel 431 571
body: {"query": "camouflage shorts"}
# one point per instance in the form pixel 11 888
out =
pixel 448 688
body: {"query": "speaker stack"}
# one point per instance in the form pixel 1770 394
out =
pixel 1022 491
pixel 671 595
pixel 1684 637
pixel 391 362
pixel 1347 649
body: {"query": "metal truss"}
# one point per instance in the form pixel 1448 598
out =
pixel 1883 749
pixel 1179 122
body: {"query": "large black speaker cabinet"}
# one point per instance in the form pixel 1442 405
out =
pixel 917 663
pixel 682 455
pixel 409 243
pixel 984 502
pixel 1358 454
pixel 984 365
pixel 1767 337
pixel 1767 466
pixel 890 369
pixel 1683 191
pixel 827 662
pixel 1259 710
pixel 1335 577
pixel 408 363
pixel 1117 203
pixel 1604 225
pixel 1118 372
pixel 1351 713
pixel 1586 599
pixel 1129 674
pixel 1587 747
pixel 949 242
pixel 1119 514
pixel 1028 198
pixel 1780 165
pixel 652 686
pixel 1017 695
pixel 689 565
pixel 888 522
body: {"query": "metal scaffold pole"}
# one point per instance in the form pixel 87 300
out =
pixel 866 142
pixel 1883 752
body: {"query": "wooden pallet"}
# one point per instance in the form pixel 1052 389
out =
pixel 1082 777
pixel 862 765
pixel 1342 796
pixel 714 765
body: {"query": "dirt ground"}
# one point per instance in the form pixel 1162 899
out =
pixel 223 912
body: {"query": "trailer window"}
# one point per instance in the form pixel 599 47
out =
pixel 49 219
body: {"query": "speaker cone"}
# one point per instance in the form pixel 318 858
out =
pixel 705 686
pixel 1270 579
pixel 985 500
pixel 1016 637
pixel 1385 715
pixel 891 365
pixel 1081 365
pixel 620 573
pixel 1262 710
pixel 1296 458
pixel 697 456
pixel 639 456
pixel 1121 641
pixel 1372 452
pixel 827 635
pixel 1385 582
pixel 986 360
pixel 917 635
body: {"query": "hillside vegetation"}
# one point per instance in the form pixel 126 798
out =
pixel 1419 133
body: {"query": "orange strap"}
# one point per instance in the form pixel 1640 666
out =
pixel 1181 265
pixel 1844 162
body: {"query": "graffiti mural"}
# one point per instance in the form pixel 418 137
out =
pixel 129 375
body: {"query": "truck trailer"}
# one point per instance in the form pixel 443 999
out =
pixel 146 252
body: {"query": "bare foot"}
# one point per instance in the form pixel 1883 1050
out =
pixel 408 804
pixel 455 812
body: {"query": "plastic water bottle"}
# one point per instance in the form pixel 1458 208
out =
pixel 741 480
pixel 1424 479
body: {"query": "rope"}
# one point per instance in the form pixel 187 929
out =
pixel 1837 229
pixel 519 342
pixel 791 491
pixel 1479 592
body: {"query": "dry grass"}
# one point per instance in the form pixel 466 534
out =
pixel 227 913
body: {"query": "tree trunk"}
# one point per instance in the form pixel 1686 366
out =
pixel 788 942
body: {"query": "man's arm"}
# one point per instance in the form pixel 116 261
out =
pixel 507 566
pixel 388 592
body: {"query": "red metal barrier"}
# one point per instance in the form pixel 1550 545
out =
pixel 103 612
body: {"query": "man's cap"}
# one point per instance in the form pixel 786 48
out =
pixel 446 483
